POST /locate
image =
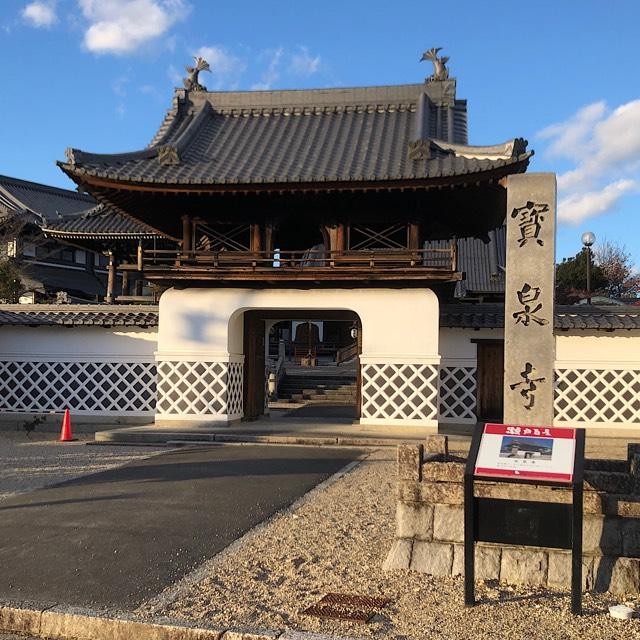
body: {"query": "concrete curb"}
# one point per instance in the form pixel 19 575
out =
pixel 66 623
pixel 175 438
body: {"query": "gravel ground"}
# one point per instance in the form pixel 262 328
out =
pixel 28 463
pixel 336 542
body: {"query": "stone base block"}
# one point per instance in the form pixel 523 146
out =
pixel 601 535
pixel 400 555
pixel 433 558
pixel 448 523
pixel 487 562
pixel 524 567
pixel 559 575
pixel 414 520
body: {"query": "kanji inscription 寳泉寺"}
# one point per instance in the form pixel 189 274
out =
pixel 528 296
pixel 530 218
pixel 528 385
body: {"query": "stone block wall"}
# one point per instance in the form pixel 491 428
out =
pixel 430 523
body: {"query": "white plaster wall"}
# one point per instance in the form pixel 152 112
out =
pixel 598 349
pixel 597 374
pixel 456 347
pixel 128 344
pixel 398 325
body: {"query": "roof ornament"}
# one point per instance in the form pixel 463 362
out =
pixel 191 81
pixel 168 155
pixel 440 71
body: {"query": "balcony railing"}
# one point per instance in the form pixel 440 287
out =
pixel 438 263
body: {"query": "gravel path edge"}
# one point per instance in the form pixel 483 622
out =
pixel 178 589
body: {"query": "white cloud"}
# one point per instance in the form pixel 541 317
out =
pixel 123 26
pixel 40 14
pixel 174 75
pixel 604 147
pixel 272 72
pixel 304 64
pixel 577 207
pixel 226 66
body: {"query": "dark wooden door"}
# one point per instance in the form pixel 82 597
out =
pixel 254 366
pixel 490 379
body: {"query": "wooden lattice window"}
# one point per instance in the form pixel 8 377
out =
pixel 225 237
pixel 377 236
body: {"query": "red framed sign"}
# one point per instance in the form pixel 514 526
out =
pixel 526 453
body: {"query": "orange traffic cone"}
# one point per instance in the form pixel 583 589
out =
pixel 65 432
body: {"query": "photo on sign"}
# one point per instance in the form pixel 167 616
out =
pixel 538 448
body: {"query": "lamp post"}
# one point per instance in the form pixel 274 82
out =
pixel 588 239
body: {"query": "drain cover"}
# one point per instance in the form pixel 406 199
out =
pixel 342 606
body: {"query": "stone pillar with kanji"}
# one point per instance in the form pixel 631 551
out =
pixel 529 299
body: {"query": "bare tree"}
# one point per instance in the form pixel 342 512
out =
pixel 616 264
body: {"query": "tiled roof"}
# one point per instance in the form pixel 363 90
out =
pixel 598 318
pixel 49 279
pixel 491 316
pixel 50 203
pixel 99 222
pixel 482 263
pixel 79 315
pixel 367 134
pixel 471 316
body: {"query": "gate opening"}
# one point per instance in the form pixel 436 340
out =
pixel 302 364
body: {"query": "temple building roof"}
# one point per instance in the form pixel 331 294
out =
pixel 483 263
pixel 44 202
pixel 99 222
pixel 412 132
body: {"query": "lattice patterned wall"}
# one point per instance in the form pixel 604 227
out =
pixel 200 388
pixel 597 395
pixel 457 393
pixel 91 388
pixel 399 392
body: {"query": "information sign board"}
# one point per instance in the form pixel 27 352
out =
pixel 526 453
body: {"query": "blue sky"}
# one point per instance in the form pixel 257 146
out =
pixel 99 75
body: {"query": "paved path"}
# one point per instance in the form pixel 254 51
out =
pixel 115 538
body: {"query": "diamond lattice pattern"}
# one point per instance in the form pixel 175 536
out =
pixel 80 386
pixel 595 395
pixel 400 391
pixel 200 388
pixel 458 392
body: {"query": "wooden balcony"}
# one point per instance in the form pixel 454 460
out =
pixel 310 266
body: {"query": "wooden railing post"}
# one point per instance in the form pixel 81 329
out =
pixel 186 235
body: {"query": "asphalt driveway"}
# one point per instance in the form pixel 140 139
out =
pixel 113 539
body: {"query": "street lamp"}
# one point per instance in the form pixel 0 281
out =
pixel 588 239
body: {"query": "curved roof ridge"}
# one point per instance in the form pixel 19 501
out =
pixel 184 137
pixel 509 149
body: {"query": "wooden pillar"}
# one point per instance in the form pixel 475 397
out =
pixel 186 234
pixel 125 283
pixel 255 240
pixel 413 235
pixel 337 239
pixel 111 277
pixel 139 255
pixel 268 237
pixel 138 286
